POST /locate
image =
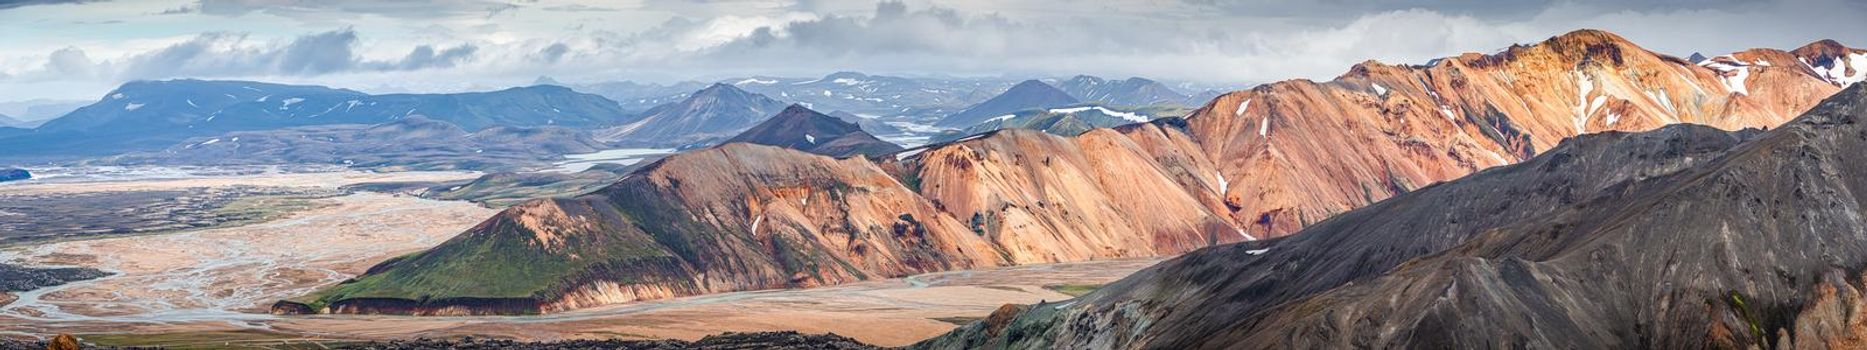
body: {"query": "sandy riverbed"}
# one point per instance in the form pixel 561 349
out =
pixel 205 282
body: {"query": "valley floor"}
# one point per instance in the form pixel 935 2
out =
pixel 213 285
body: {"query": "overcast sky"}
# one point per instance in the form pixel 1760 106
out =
pixel 64 49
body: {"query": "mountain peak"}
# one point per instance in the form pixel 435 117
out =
pixel 801 128
pixel 1821 49
pixel 1031 84
pixel 1027 95
pixel 1589 37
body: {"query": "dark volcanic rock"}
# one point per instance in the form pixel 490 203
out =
pixel 14 174
pixel 1683 237
pixel 806 130
pixel 761 340
pixel 15 278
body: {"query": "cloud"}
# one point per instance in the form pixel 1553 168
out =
pixel 453 43
pixel 8 4
pixel 337 9
pixel 224 54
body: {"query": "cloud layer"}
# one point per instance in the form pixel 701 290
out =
pixel 473 44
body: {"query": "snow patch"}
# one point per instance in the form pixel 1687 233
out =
pixel 811 138
pixel 1584 84
pixel 1002 118
pixel 209 142
pixel 848 81
pixel 191 104
pixel 287 103
pixel 755 81
pixel 1241 107
pixel 1257 251
pixel 116 96
pixel 1118 114
pixel 1447 111
pixel 1378 89
pixel 1224 185
pixel 1837 70
pixel 1264 126
pixel 904 155
pixel 1732 74
pixel 133 106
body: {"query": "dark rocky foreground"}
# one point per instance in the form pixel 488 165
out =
pixel 724 341
pixel 760 340
pixel 14 278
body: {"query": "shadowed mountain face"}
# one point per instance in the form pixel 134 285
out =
pixel 1251 164
pixel 1684 237
pixel 1131 92
pixel 806 130
pixel 1030 94
pixel 148 115
pixel 707 116
pixel 409 143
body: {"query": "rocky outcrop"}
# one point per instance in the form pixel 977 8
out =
pixel 15 278
pixel 1686 237
pixel 1253 164
pixel 14 174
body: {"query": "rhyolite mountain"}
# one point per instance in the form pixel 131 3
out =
pixel 409 143
pixel 707 116
pixel 1253 164
pixel 1682 238
pixel 1028 95
pixel 149 115
pixel 806 130
pixel 1131 92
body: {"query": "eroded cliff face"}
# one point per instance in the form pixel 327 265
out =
pixel 1250 165
pixel 1301 151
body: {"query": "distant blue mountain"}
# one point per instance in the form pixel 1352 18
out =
pixel 1030 94
pixel 146 115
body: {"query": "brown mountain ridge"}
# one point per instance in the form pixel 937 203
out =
pixel 1251 164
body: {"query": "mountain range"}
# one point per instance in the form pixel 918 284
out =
pixel 1682 237
pixel 409 143
pixel 148 115
pixel 1254 164
pixel 709 115
pixel 1027 95
pixel 806 130
pixel 1065 121
pixel 1130 93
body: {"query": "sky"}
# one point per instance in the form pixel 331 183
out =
pixel 81 49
